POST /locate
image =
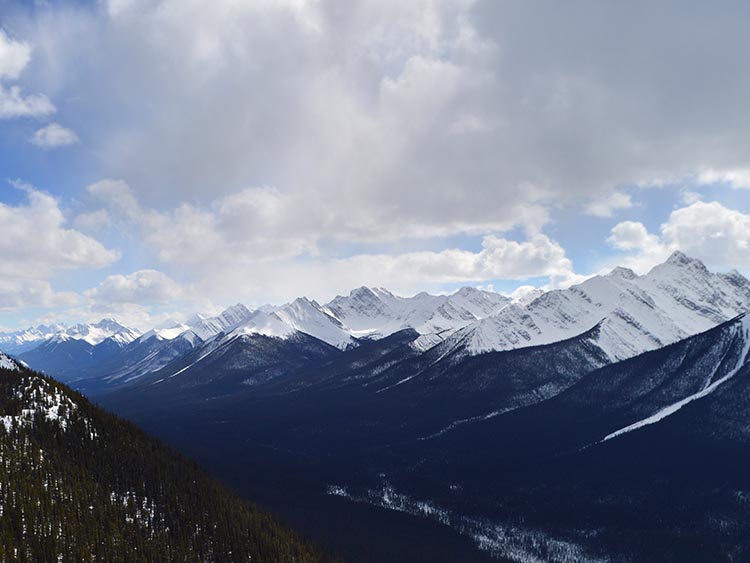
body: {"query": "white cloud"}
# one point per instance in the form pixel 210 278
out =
pixel 142 288
pixel 35 241
pixel 631 235
pixel 388 119
pixel 607 206
pixel 709 231
pixel 690 196
pixel 736 177
pixel 499 259
pixel 54 135
pixel 261 235
pixel 18 294
pixel 13 104
pixel 237 248
pixel 14 56
pixel 35 245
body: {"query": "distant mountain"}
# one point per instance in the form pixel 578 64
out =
pixel 80 484
pixel 22 340
pixel 72 353
pixel 377 312
pixel 25 340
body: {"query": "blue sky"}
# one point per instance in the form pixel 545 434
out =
pixel 159 157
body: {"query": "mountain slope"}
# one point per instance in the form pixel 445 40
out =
pixel 80 484
pixel 237 361
pixel 638 461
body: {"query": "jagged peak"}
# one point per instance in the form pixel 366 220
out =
pixel 624 273
pixel 362 291
pixel 734 277
pixel 467 290
pixel 679 258
pixel 237 308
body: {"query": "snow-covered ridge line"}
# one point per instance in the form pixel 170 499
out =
pixel 676 299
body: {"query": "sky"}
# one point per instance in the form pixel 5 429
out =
pixel 162 157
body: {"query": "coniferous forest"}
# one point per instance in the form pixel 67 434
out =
pixel 79 484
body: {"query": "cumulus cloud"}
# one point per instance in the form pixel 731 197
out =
pixel 14 104
pixel 142 287
pixel 18 294
pixel 242 236
pixel 737 177
pixel 35 245
pixel 709 231
pixel 14 56
pixel 53 135
pixel 499 259
pixel 36 241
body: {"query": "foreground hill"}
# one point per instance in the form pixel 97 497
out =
pixel 78 484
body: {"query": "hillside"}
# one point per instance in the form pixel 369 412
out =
pixel 79 484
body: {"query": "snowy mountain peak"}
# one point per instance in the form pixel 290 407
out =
pixel 109 324
pixel 194 319
pixel 229 319
pixel 680 259
pixel 233 316
pixel 624 273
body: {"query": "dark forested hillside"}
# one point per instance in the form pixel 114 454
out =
pixel 78 484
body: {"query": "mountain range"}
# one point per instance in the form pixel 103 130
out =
pixel 632 313
pixel 602 422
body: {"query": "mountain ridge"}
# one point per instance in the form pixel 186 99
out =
pixel 634 313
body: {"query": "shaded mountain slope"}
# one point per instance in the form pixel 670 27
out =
pixel 79 484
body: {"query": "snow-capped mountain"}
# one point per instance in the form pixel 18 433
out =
pixel 94 333
pixel 21 340
pixel 300 316
pixel 674 300
pixel 230 318
pixel 98 332
pixel 378 312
